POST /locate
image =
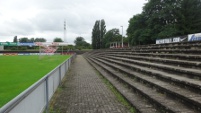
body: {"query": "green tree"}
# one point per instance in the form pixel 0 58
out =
pixel 164 19
pixel 15 39
pixel 40 40
pixel 98 33
pixel 81 43
pixel 160 16
pixel 70 47
pixel 112 35
pixel 57 39
pixel 24 40
pixel 189 17
pixel 138 32
pixel 102 33
pixel 31 40
pixel 95 35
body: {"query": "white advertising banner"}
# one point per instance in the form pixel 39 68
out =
pixel 163 41
pixel 194 37
pixel 63 44
pixel 51 44
pixel 172 40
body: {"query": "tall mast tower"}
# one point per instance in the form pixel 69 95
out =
pixel 64 30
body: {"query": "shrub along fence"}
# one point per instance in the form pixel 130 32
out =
pixel 36 98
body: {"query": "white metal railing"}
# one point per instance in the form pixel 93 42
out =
pixel 36 98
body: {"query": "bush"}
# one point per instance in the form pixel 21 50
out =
pixel 14 48
pixel 22 48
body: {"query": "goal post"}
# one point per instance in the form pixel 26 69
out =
pixel 49 48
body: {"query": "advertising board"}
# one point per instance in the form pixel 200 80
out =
pixel 8 44
pixel 10 54
pixel 20 54
pixel 46 53
pixel 172 40
pixel 26 44
pixel 34 53
pixel 194 37
pixel 63 44
pixel 163 41
pixel 51 43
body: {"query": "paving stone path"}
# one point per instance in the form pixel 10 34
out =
pixel 84 92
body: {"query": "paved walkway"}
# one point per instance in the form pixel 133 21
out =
pixel 84 92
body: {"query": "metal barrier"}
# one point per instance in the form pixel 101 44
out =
pixel 36 98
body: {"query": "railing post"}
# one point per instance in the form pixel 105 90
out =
pixel 60 74
pixel 65 67
pixel 68 63
pixel 47 95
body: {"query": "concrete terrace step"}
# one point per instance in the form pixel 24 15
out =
pixel 191 73
pixel 166 75
pixel 161 100
pixel 193 84
pixel 184 63
pixel 195 51
pixel 193 43
pixel 140 104
pixel 188 57
pixel 192 46
pixel 175 91
pixel 170 51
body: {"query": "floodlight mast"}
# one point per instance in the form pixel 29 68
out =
pixel 64 34
pixel 122 41
pixel 64 30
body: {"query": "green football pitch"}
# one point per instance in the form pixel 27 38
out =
pixel 19 72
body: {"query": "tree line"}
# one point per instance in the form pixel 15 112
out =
pixel 27 40
pixel 80 42
pixel 163 19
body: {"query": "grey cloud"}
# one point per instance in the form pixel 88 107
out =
pixel 80 16
pixel 16 27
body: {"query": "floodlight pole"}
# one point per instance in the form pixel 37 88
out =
pixel 64 34
pixel 39 52
pixel 62 50
pixel 122 38
pixel 64 30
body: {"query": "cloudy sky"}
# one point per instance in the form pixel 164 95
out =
pixel 45 18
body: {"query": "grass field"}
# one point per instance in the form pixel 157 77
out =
pixel 19 72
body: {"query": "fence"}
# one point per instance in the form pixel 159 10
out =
pixel 36 98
